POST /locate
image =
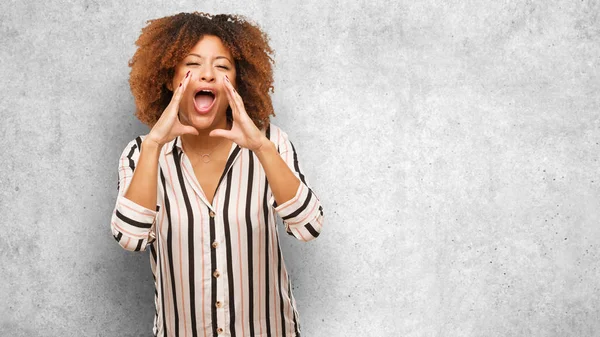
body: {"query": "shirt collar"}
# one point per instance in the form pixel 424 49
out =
pixel 174 143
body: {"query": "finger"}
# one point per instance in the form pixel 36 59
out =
pixel 239 101
pixel 230 99
pixel 180 128
pixel 190 130
pixel 235 100
pixel 234 94
pixel 222 133
pixel 185 127
pixel 180 90
pixel 183 120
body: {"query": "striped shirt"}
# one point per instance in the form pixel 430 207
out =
pixel 218 269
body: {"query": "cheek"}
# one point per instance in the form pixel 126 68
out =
pixel 179 75
pixel 233 78
pixel 178 79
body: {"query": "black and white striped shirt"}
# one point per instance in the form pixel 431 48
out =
pixel 218 269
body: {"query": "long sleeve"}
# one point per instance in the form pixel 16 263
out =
pixel 303 214
pixel 131 223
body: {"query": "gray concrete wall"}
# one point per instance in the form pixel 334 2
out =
pixel 454 146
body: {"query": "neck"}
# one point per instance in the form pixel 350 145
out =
pixel 203 143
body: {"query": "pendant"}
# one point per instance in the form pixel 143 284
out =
pixel 205 158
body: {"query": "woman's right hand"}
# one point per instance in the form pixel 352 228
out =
pixel 168 125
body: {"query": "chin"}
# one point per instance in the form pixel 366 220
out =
pixel 207 121
pixel 202 122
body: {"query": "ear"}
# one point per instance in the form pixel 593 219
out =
pixel 169 86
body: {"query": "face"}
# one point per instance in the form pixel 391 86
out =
pixel 208 62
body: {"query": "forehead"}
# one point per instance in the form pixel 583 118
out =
pixel 210 46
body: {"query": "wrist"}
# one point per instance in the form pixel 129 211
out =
pixel 265 146
pixel 150 145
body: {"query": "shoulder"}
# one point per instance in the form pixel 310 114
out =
pixel 133 147
pixel 280 138
pixel 276 134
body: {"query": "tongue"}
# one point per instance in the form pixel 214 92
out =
pixel 204 101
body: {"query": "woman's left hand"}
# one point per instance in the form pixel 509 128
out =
pixel 243 131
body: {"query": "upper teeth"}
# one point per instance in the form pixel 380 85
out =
pixel 207 91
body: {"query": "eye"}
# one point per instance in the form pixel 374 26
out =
pixel 192 64
pixel 223 67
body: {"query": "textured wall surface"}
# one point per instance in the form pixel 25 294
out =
pixel 454 146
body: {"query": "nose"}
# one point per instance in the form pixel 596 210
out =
pixel 207 74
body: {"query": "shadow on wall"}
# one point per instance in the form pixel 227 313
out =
pixel 128 284
pixel 129 290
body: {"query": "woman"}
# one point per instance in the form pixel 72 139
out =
pixel 202 188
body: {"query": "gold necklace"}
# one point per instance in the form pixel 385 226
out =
pixel 206 156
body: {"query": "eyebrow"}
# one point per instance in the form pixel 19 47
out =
pixel 216 58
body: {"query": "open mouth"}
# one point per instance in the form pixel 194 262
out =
pixel 204 100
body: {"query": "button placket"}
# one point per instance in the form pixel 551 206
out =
pixel 216 273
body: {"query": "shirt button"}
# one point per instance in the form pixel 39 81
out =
pixel 216 273
pixel 218 304
pixel 220 330
pixel 212 214
pixel 215 244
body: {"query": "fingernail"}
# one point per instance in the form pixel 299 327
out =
pixel 227 78
pixel 186 75
pixel 179 83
